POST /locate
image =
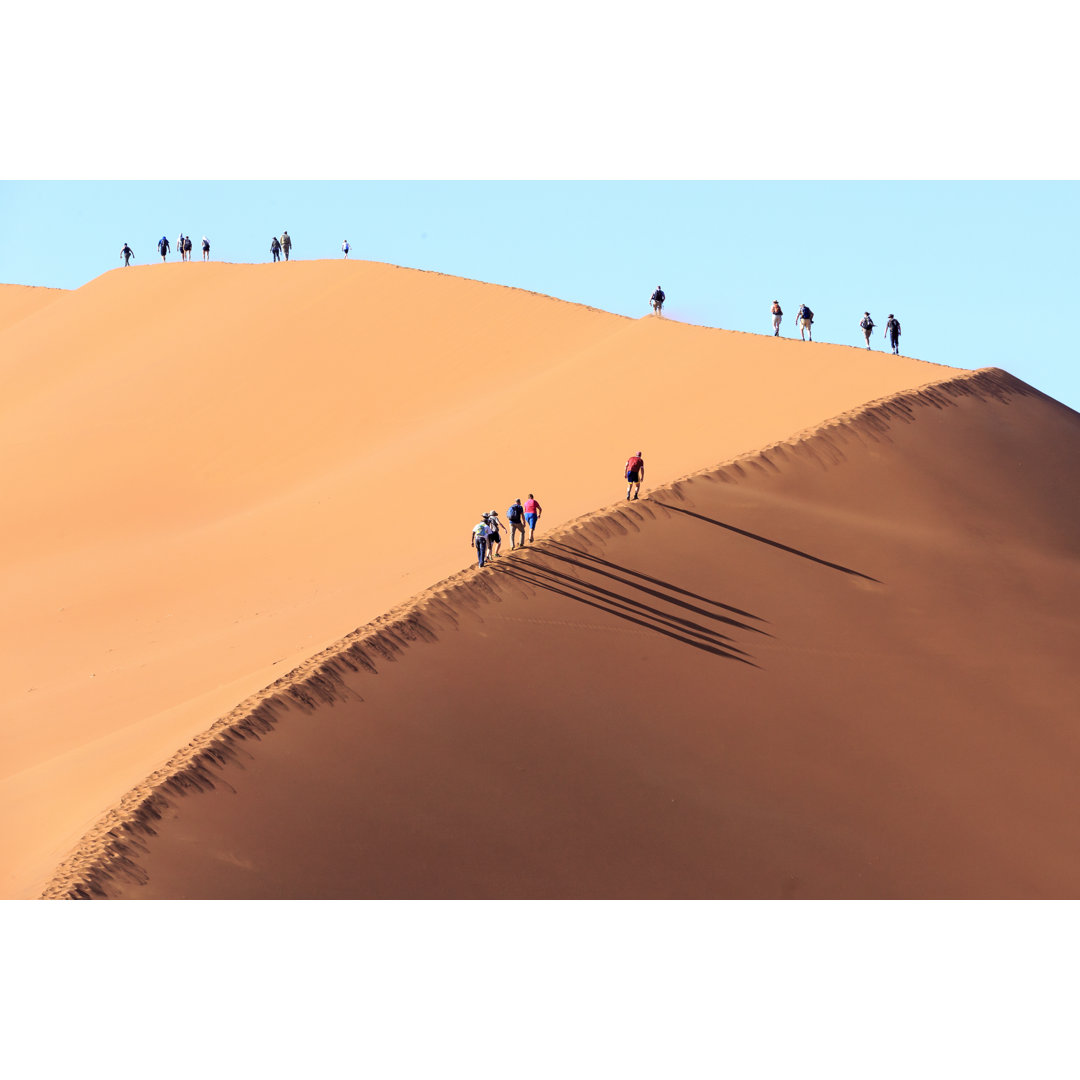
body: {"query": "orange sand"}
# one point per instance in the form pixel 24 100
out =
pixel 843 667
pixel 215 471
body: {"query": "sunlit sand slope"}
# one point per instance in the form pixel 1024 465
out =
pixel 20 301
pixel 842 667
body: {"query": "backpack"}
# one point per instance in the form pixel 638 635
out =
pixel 633 465
pixel 513 515
pixel 867 323
pixel 807 313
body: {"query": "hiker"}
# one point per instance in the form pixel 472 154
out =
pixel 657 299
pixel 345 248
pixel 479 540
pixel 205 250
pixel 275 248
pixel 187 249
pixel 515 516
pixel 533 510
pixel 867 325
pixel 892 332
pixel 163 247
pixel 494 533
pixel 777 315
pixel 805 319
pixel 180 246
pixel 127 253
pixel 286 244
pixel 635 473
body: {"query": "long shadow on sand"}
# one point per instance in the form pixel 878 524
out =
pixel 686 631
pixel 766 540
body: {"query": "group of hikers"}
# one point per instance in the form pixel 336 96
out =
pixel 183 247
pixel 281 246
pixel 486 536
pixel 804 319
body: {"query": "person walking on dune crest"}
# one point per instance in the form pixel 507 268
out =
pixel 205 250
pixel 657 300
pixel 892 332
pixel 635 473
pixel 479 540
pixel 491 518
pixel 533 510
pixel 777 315
pixel 275 248
pixel 515 515
pixel 805 319
pixel 127 254
pixel 345 248
pixel 867 325
pixel 286 244
pixel 163 247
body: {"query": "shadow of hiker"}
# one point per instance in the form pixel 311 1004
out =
pixel 765 540
pixel 685 631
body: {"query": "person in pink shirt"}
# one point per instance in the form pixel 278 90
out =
pixel 533 510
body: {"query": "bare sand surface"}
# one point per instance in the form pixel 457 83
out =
pixel 844 666
pixel 213 472
pixel 20 301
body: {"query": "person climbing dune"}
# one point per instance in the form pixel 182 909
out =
pixel 635 473
pixel 867 325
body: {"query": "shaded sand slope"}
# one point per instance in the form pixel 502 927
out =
pixel 842 667
pixel 212 472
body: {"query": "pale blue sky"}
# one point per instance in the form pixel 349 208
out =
pixel 979 273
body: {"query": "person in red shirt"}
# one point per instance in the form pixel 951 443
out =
pixel 635 473
pixel 533 510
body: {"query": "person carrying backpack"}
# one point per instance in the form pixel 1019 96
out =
pixel 127 253
pixel 515 516
pixel 275 248
pixel 533 510
pixel 494 533
pixel 867 325
pixel 635 473
pixel 479 540
pixel 892 332
pixel 286 244
pixel 657 299
pixel 777 315
pixel 345 248
pixel 805 319
pixel 205 250
pixel 163 247
pixel 180 246
pixel 187 249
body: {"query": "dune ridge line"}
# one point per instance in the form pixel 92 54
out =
pixel 104 851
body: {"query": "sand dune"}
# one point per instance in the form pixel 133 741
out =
pixel 844 666
pixel 213 472
pixel 19 301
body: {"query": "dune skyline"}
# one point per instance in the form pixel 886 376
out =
pixel 259 465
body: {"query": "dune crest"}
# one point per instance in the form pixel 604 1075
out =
pixel 863 549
